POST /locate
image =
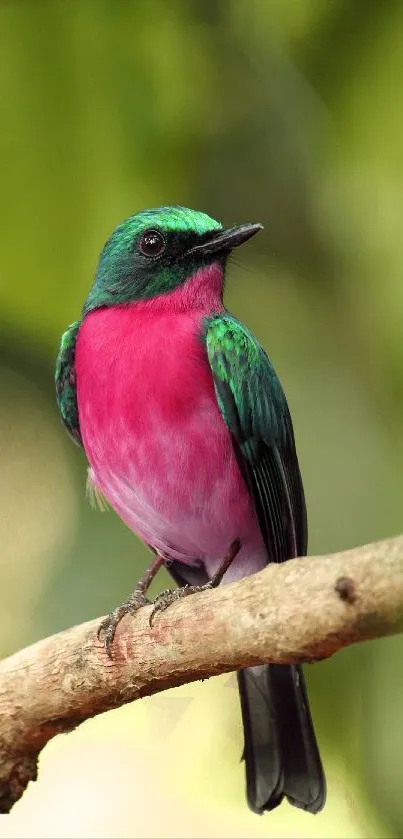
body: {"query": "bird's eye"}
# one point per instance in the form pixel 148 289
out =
pixel 152 243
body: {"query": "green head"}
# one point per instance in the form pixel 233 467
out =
pixel 155 251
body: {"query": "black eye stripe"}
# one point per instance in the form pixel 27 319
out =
pixel 152 243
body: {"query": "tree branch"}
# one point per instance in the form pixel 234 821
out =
pixel 303 610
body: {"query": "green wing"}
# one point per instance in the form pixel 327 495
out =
pixel 255 410
pixel 66 393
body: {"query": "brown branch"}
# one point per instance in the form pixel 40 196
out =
pixel 303 610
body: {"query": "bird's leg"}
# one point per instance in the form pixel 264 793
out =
pixel 171 595
pixel 137 599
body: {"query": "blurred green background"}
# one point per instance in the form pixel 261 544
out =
pixel 286 112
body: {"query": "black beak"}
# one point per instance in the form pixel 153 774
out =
pixel 221 241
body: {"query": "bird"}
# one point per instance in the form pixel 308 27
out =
pixel 189 438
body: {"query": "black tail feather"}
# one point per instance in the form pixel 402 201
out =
pixel 281 753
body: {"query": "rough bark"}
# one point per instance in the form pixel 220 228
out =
pixel 303 610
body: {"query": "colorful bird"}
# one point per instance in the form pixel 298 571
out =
pixel 189 438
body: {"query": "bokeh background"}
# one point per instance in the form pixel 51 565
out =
pixel 287 112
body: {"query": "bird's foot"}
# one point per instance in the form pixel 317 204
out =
pixel 108 625
pixel 172 595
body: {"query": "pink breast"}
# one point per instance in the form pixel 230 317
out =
pixel 154 435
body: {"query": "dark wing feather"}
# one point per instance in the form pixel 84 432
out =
pixel 65 379
pixel 255 410
pixel 281 754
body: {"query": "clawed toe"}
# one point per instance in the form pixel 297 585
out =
pixel 103 626
pixel 107 627
pixel 162 601
pixel 166 598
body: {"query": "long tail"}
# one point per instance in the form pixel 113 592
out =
pixel 281 753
